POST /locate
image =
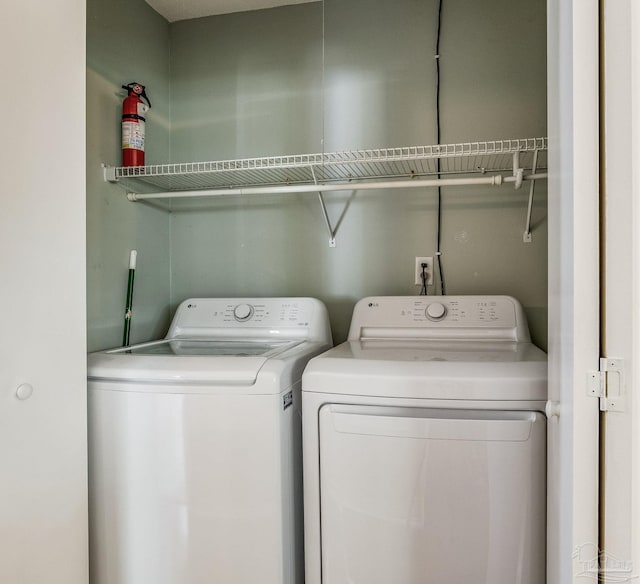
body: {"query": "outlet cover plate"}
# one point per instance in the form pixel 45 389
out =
pixel 418 270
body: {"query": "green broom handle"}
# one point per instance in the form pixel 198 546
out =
pixel 127 310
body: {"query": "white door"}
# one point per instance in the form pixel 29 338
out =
pixel 432 496
pixel 573 77
pixel 619 544
pixel 43 510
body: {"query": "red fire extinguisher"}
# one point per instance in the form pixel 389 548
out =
pixel 133 119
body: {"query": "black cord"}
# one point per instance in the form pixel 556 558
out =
pixel 439 220
pixel 423 277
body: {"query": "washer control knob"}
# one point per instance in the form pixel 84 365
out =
pixel 436 311
pixel 243 312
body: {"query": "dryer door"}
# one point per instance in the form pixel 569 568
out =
pixel 418 496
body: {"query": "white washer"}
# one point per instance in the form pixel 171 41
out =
pixel 195 446
pixel 424 446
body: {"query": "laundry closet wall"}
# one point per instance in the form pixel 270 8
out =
pixel 126 41
pixel 253 84
pixel 257 84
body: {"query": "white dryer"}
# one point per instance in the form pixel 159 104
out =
pixel 195 446
pixel 425 446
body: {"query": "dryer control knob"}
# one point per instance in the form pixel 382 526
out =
pixel 243 312
pixel 436 311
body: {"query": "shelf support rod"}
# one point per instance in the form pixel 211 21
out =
pixel 325 214
pixel 354 186
pixel 526 236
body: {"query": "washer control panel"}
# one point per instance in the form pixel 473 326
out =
pixel 264 317
pixel 496 317
pixel 209 312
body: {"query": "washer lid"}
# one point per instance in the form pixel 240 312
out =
pixel 230 362
pixel 209 347
pixel 464 370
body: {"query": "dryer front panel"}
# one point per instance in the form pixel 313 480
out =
pixel 421 496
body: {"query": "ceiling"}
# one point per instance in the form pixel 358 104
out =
pixel 174 10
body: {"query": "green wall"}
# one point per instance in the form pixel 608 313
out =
pixel 247 84
pixel 256 84
pixel 342 74
pixel 126 41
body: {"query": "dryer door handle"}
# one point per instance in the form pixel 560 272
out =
pixel 468 425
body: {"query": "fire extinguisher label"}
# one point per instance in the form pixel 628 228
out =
pixel 133 135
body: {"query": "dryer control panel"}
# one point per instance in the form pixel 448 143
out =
pixel 439 317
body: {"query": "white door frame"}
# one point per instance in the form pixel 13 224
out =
pixel 572 70
pixel 620 518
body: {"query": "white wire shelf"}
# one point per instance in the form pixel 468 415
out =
pixel 336 168
pixel 470 163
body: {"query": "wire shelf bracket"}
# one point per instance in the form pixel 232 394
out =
pixel 526 236
pixel 325 214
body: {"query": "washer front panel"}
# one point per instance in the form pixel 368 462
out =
pixel 185 488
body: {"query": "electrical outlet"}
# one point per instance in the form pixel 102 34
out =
pixel 428 270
